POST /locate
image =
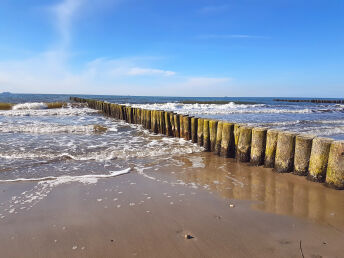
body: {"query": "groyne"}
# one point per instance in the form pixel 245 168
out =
pixel 319 159
pixel 333 101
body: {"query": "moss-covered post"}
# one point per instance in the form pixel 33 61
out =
pixel 181 124
pixel 270 149
pixel 176 125
pixel 187 127
pixel 335 168
pixel 143 118
pixel 206 135
pixel 194 123
pixel 162 122
pixel 130 115
pixel 258 146
pixel 285 151
pixel 236 136
pixel 217 150
pixel 318 160
pixel 154 121
pixel 172 123
pixel 244 144
pixel 148 119
pixel 303 147
pixel 212 134
pixel 168 124
pixel 200 125
pixel 227 141
pixel 158 113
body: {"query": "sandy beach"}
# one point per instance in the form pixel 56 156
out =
pixel 230 210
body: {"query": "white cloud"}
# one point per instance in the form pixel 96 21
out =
pixel 50 71
pixel 145 71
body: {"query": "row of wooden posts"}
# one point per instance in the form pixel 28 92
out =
pixel 334 101
pixel 320 159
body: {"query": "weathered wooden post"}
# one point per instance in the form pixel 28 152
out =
pixel 285 151
pixel 258 146
pixel 176 125
pixel 217 150
pixel 244 144
pixel 236 136
pixel 187 127
pixel 335 168
pixel 303 147
pixel 194 123
pixel 318 160
pixel 270 149
pixel 200 125
pixel 206 138
pixel 212 134
pixel 181 124
pixel 227 142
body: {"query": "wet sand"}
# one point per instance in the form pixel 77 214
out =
pixel 147 214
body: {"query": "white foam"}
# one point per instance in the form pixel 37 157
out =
pixel 54 181
pixel 47 128
pixel 65 111
pixel 222 109
pixel 30 106
pixel 197 162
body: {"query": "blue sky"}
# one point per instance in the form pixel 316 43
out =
pixel 173 48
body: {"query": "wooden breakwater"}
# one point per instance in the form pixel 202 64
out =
pixel 333 101
pixel 319 159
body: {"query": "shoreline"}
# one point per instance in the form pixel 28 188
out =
pixel 320 159
pixel 128 215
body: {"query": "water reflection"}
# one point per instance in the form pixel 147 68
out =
pixel 284 194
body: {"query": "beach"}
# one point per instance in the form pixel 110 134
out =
pixel 77 183
pixel 230 210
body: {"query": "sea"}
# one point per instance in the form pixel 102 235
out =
pixel 77 144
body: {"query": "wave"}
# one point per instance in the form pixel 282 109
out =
pixel 30 106
pixel 165 147
pixel 325 131
pixel 65 111
pixel 300 122
pixel 67 179
pixel 53 128
pixel 233 108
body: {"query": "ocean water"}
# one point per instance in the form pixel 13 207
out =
pixel 38 143
pixel 50 147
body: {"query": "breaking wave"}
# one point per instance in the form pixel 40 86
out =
pixel 30 106
pixel 233 108
pixel 66 111
pixel 52 128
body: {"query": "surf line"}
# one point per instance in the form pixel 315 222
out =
pixel 319 159
pixel 83 178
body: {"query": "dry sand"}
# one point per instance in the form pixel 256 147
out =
pixel 147 214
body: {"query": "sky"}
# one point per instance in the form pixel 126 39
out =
pixel 234 48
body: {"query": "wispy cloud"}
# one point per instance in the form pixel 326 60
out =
pixel 64 13
pixel 213 9
pixel 230 36
pixel 149 71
